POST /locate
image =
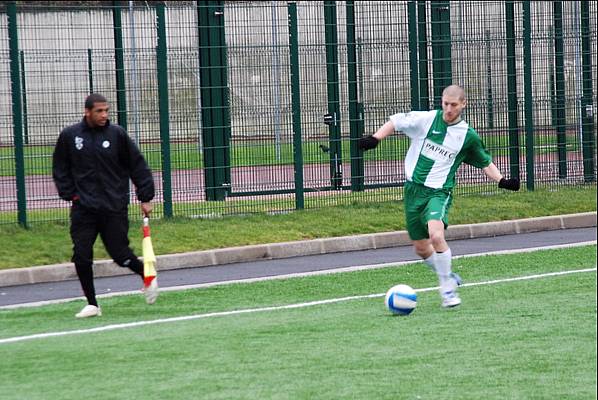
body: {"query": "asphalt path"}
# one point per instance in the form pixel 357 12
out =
pixel 56 291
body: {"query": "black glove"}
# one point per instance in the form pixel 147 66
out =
pixel 367 142
pixel 509 184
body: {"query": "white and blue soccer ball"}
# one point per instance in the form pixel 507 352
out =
pixel 401 299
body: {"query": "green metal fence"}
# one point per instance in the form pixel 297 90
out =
pixel 256 106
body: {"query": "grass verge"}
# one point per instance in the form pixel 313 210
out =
pixel 49 243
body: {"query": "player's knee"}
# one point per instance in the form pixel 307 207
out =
pixel 422 254
pixel 437 238
pixel 423 249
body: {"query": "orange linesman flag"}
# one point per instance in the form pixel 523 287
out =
pixel 149 258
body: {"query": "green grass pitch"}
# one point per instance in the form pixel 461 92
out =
pixel 520 339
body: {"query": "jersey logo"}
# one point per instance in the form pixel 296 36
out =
pixel 105 144
pixel 78 142
pixel 435 132
pixel 437 152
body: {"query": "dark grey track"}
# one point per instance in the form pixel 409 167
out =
pixel 13 295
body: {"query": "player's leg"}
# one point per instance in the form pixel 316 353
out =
pixel 83 233
pixel 415 202
pixel 436 215
pixel 442 250
pixel 425 250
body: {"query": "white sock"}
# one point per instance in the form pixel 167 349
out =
pixel 431 261
pixel 443 265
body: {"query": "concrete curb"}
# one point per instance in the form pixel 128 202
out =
pixel 61 272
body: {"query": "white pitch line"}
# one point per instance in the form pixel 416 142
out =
pixel 264 309
pixel 295 275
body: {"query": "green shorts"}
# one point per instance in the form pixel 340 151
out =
pixel 423 204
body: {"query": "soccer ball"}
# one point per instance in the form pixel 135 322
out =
pixel 401 299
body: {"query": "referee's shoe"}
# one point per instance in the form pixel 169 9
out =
pixel 89 311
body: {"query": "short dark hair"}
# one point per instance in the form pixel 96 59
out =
pixel 94 98
pixel 454 90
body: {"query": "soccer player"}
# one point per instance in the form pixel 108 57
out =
pixel 92 163
pixel 440 142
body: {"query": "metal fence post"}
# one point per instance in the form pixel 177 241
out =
pixel 119 61
pixel 422 38
pixel 559 89
pixel 514 162
pixel 15 85
pixel 90 70
pixel 528 95
pixel 441 48
pixel 413 72
pixel 552 74
pixel 162 65
pixel 296 104
pixel 489 95
pixel 587 108
pixel 356 127
pixel 206 101
pixel 24 98
pixel 215 108
pixel 332 86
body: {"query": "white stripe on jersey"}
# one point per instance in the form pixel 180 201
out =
pixel 452 144
pixel 415 125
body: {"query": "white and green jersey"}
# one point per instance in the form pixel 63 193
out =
pixel 437 149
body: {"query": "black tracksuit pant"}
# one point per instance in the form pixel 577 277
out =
pixel 113 229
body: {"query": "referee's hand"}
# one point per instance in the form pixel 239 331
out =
pixel 367 142
pixel 146 208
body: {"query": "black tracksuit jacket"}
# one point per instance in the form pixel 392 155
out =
pixel 95 165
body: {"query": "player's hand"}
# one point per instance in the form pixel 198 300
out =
pixel 509 184
pixel 367 142
pixel 146 208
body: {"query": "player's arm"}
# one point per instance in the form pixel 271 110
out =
pixel 61 170
pixel 493 173
pixel 479 157
pixel 414 124
pixel 385 130
pixel 139 171
pixel 370 142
